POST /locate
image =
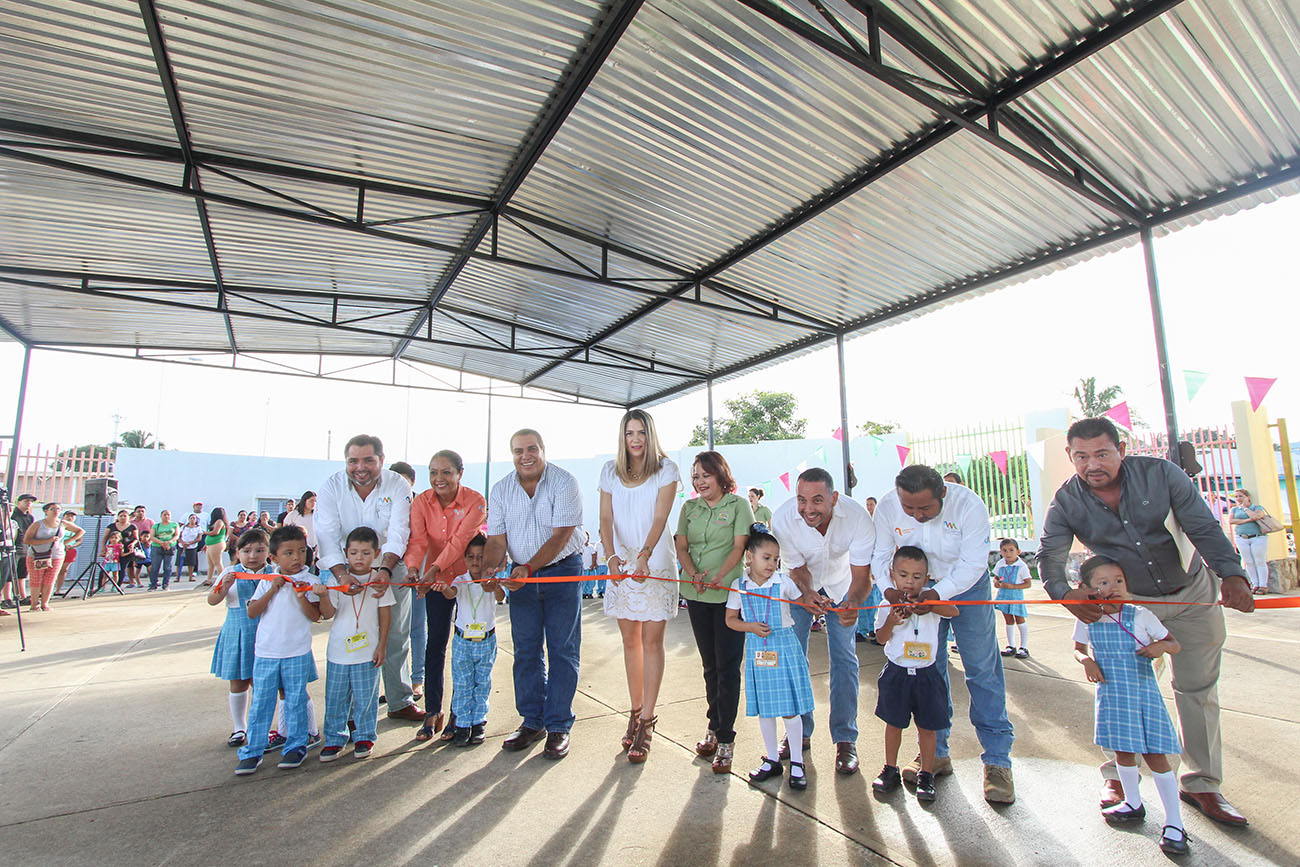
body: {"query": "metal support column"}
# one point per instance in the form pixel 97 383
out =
pixel 708 388
pixel 12 469
pixel 844 413
pixel 1162 350
pixel 487 467
pixel 1288 469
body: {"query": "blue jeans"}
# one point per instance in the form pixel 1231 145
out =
pixel 550 612
pixel 419 629
pixel 976 632
pixel 438 611
pixel 159 559
pixel 867 616
pixel 844 673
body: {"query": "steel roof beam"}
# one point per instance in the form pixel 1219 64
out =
pixel 167 76
pixel 86 290
pixel 569 90
pixel 242 289
pixel 1012 90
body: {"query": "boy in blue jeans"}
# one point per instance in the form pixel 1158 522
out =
pixel 474 647
pixel 284 608
pixel 358 640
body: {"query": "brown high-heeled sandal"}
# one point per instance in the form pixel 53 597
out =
pixel 645 732
pixel 708 746
pixel 633 719
pixel 722 760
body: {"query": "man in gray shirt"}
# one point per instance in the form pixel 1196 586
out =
pixel 1142 512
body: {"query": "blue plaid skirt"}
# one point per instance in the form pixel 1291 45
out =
pixel 232 658
pixel 1007 594
pixel 785 690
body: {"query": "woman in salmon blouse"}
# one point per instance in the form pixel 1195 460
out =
pixel 443 520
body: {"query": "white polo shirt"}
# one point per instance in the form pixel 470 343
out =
pixel 849 541
pixel 956 541
pixel 340 510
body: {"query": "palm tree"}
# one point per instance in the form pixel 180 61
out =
pixel 138 439
pixel 1092 403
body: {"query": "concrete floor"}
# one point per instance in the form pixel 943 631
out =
pixel 112 751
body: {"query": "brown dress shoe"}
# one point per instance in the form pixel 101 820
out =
pixel 522 738
pixel 785 748
pixel 1112 793
pixel 557 746
pixel 846 758
pixel 1213 805
pixel 410 713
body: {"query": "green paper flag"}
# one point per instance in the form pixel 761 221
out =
pixel 767 488
pixel 1194 379
pixel 875 445
pixel 821 456
pixel 963 461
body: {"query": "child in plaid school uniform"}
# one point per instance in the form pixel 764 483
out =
pixel 358 639
pixel 284 612
pixel 777 683
pixel 474 646
pixel 910 686
pixel 233 655
pixel 1116 653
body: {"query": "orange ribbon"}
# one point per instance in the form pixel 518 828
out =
pixel 1265 603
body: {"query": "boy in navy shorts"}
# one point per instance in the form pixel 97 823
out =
pixel 909 686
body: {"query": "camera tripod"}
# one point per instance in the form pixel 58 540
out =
pixel 94 574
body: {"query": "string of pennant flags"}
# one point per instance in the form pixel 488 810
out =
pixel 1257 388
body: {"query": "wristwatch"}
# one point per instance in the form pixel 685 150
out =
pixel 385 569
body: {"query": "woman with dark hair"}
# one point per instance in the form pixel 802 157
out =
pixel 214 541
pixel 241 523
pixel 301 516
pixel 443 520
pixel 712 531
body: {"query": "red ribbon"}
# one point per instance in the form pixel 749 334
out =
pixel 1265 603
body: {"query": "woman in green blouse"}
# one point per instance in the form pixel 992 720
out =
pixel 711 534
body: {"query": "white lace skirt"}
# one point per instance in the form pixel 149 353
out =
pixel 651 600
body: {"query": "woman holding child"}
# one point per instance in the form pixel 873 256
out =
pixel 443 521
pixel 637 490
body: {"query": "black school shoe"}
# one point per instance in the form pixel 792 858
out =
pixel 766 771
pixel 800 782
pixel 461 737
pixel 477 734
pixel 888 780
pixel 1123 814
pixel 925 786
pixel 1174 845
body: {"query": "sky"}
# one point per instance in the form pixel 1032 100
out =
pixel 1228 287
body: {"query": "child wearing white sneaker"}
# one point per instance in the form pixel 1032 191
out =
pixel 1116 654
pixel 284 608
pixel 358 639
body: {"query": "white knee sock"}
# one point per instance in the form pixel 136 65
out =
pixel 767 726
pixel 794 734
pixel 1167 787
pixel 239 711
pixel 1131 779
pixel 1024 634
pixel 312 728
pixel 1011 635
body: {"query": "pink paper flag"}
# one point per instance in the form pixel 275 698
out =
pixel 838 435
pixel 1257 387
pixel 1120 415
pixel 1000 458
pixel 785 480
pixel 903 452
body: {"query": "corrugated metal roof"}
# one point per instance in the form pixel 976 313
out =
pixel 359 161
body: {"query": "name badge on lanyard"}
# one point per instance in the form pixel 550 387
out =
pixel 475 632
pixel 765 658
pixel 360 641
pixel 917 651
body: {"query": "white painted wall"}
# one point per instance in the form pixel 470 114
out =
pixel 174 480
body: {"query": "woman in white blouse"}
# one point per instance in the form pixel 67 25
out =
pixel 637 490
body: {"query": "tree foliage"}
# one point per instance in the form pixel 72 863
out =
pixel 878 428
pixel 754 418
pixel 1093 402
pixel 138 439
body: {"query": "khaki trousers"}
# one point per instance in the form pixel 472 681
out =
pixel 1201 631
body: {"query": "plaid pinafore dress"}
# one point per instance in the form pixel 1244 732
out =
pixel 1131 714
pixel 784 689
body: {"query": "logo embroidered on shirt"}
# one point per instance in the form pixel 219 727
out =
pixel 949 525
pixel 903 531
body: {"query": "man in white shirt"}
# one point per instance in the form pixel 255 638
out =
pixel 826 543
pixel 364 494
pixel 950 523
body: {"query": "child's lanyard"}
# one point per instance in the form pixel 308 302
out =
pixel 1115 619
pixel 767 616
pixel 473 603
pixel 357 609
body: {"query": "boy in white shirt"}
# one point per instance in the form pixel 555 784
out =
pixel 358 639
pixel 284 608
pixel 474 647
pixel 910 686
